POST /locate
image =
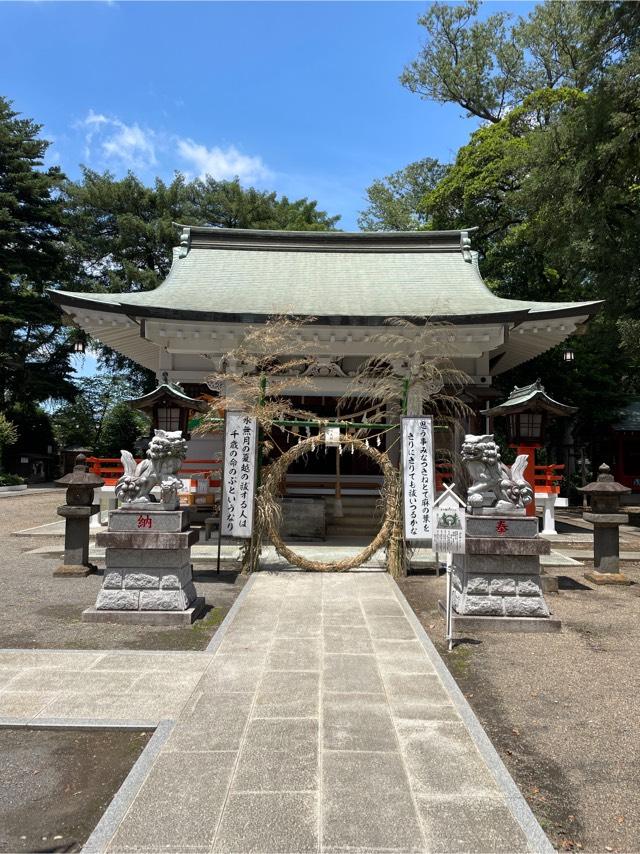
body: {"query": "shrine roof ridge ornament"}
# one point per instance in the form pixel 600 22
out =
pixel 209 237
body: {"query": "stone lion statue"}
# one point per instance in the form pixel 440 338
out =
pixel 165 453
pixel 495 485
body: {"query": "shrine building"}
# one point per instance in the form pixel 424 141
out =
pixel 221 280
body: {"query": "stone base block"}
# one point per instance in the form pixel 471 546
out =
pixel 157 521
pixel 498 585
pixel 549 583
pixel 66 570
pixel 147 618
pixel 502 527
pixel 464 624
pixel 596 577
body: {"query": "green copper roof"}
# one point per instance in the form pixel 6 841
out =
pixel 531 398
pixel 237 274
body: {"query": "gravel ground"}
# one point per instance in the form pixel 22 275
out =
pixel 55 785
pixel 563 710
pixel 39 610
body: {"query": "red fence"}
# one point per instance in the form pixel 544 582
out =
pixel 110 470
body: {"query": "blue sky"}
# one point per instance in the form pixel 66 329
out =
pixel 302 98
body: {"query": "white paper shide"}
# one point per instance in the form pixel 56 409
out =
pixel 418 477
pixel 239 484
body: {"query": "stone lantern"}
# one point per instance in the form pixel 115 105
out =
pixel 77 513
pixel 606 517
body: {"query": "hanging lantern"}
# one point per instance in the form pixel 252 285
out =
pixel 568 356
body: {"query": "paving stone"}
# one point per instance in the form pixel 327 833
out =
pixel 153 681
pixel 12 659
pixel 179 804
pixel 102 705
pixel 367 804
pixel 283 822
pixel 442 759
pixel 357 722
pixel 288 695
pixel 387 606
pixel 217 722
pixel 233 673
pixel 288 628
pixel 415 686
pixel 470 826
pixel 141 661
pixel 347 639
pixel 401 656
pixel 244 642
pixel 351 674
pixel 7 675
pixel 279 755
pixel 294 654
pixel 24 704
pixel 391 628
pixel 73 680
pixel 348 616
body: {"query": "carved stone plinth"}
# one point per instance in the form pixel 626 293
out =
pixel 496 584
pixel 148 569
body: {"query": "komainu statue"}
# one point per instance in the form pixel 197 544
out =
pixel 164 456
pixel 495 485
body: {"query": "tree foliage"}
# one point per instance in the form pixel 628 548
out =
pixel 34 350
pixel 395 201
pixel 489 66
pixel 99 418
pixel 551 177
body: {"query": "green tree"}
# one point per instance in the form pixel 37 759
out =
pixel 395 201
pixel 34 347
pixel 551 178
pixel 489 66
pixel 97 412
pixel 121 428
pixel 8 436
pixel 121 233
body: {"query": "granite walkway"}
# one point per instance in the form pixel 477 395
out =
pixel 320 719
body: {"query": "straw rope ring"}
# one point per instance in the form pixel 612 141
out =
pixel 269 507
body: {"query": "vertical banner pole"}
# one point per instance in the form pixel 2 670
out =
pixel 449 632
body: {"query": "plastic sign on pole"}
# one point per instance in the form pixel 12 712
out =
pixel 418 476
pixel 239 482
pixel 450 523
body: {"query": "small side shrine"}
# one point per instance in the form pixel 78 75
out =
pixel 528 410
pixel 168 408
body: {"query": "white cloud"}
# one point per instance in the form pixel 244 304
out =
pixel 130 144
pixel 222 163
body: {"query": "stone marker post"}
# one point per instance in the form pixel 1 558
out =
pixel 77 513
pixel 606 518
pixel 148 576
pixel 496 583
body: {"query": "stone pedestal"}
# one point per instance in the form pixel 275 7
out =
pixel 148 577
pixel 497 584
pixel 76 541
pixel 606 548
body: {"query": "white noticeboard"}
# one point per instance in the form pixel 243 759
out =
pixel 418 477
pixel 239 481
pixel 450 525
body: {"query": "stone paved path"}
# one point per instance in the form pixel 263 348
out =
pixel 323 721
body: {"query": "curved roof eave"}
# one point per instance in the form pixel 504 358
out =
pixel 97 302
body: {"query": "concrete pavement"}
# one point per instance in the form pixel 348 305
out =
pixel 320 718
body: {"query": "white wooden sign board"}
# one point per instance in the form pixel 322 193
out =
pixel 332 437
pixel 418 477
pixel 450 525
pixel 239 480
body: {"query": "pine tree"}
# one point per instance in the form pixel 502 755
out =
pixel 34 348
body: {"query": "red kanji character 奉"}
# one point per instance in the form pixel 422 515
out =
pixel 501 527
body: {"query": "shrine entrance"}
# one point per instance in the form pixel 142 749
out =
pixel 332 493
pixel 388 535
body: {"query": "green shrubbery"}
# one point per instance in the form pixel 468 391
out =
pixel 11 480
